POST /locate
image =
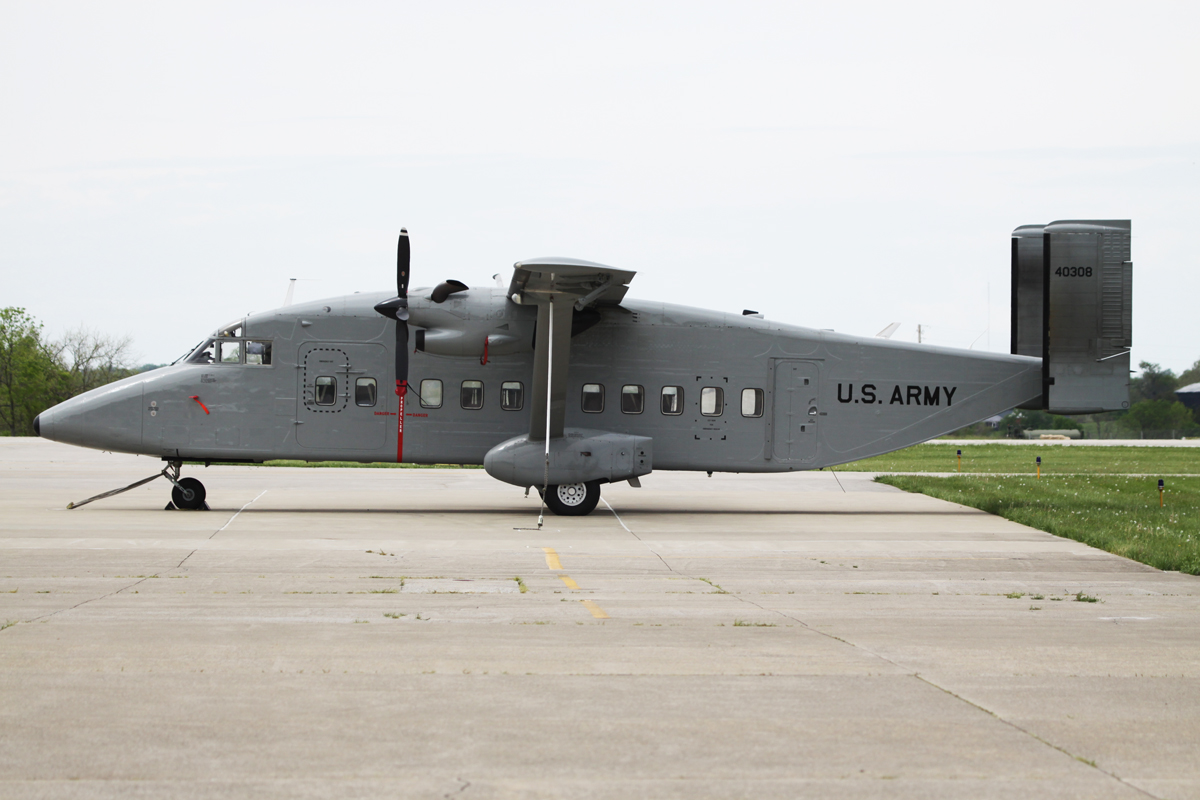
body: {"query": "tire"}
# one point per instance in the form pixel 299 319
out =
pixel 197 489
pixel 573 499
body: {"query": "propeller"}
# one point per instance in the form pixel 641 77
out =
pixel 397 308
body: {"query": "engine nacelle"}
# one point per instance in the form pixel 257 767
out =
pixel 580 456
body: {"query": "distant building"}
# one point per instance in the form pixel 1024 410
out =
pixel 993 422
pixel 1189 395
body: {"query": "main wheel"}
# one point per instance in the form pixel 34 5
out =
pixel 573 499
pixel 192 487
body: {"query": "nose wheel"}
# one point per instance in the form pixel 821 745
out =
pixel 188 494
pixel 573 499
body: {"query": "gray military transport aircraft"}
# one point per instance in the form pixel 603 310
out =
pixel 558 381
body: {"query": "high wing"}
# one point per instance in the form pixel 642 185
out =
pixel 559 287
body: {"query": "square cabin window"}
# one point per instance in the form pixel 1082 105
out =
pixel 472 395
pixel 633 399
pixel 752 402
pixel 325 390
pixel 672 400
pixel 366 391
pixel 231 352
pixel 712 401
pixel 593 398
pixel 431 393
pixel 512 395
pixel 258 353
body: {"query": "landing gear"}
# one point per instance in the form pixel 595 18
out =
pixel 573 499
pixel 188 493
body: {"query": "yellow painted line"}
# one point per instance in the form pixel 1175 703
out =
pixel 552 561
pixel 570 582
pixel 596 610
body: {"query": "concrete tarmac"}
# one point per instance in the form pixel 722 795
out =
pixel 361 633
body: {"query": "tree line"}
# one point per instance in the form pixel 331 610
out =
pixel 1155 411
pixel 37 372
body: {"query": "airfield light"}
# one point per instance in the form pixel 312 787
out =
pixel 960 460
pixel 1039 466
pixel 1160 492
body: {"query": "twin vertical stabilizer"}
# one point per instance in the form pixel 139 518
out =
pixel 1072 301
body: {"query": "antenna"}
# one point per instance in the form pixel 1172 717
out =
pixel 287 300
pixel 887 332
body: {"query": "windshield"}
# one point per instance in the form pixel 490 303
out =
pixel 204 354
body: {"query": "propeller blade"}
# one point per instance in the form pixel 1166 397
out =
pixel 403 257
pixel 400 311
pixel 401 357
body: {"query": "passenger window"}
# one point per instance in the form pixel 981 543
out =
pixel 672 400
pixel 325 391
pixel 205 354
pixel 231 352
pixel 258 353
pixel 752 402
pixel 633 399
pixel 472 394
pixel 365 391
pixel 431 393
pixel 712 401
pixel 512 395
pixel 593 398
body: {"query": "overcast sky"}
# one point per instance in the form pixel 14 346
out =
pixel 167 167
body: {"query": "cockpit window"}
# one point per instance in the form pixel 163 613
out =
pixel 204 354
pixel 231 352
pixel 258 353
pixel 231 331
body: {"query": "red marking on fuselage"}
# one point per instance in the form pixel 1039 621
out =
pixel 401 391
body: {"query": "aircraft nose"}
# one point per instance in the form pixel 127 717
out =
pixel 37 425
pixel 108 418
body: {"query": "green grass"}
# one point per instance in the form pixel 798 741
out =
pixel 1119 514
pixel 1056 459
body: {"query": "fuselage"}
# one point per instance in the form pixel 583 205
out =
pixel 715 391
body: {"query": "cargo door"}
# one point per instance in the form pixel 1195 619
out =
pixel 796 412
pixel 341 406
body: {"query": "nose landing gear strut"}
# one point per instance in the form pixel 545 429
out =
pixel 187 493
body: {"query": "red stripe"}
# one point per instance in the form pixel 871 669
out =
pixel 401 390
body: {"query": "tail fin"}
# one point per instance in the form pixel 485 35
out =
pixel 1072 300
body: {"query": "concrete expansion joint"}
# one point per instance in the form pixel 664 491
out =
pixel 465 784
pixel 893 663
pixel 1032 735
